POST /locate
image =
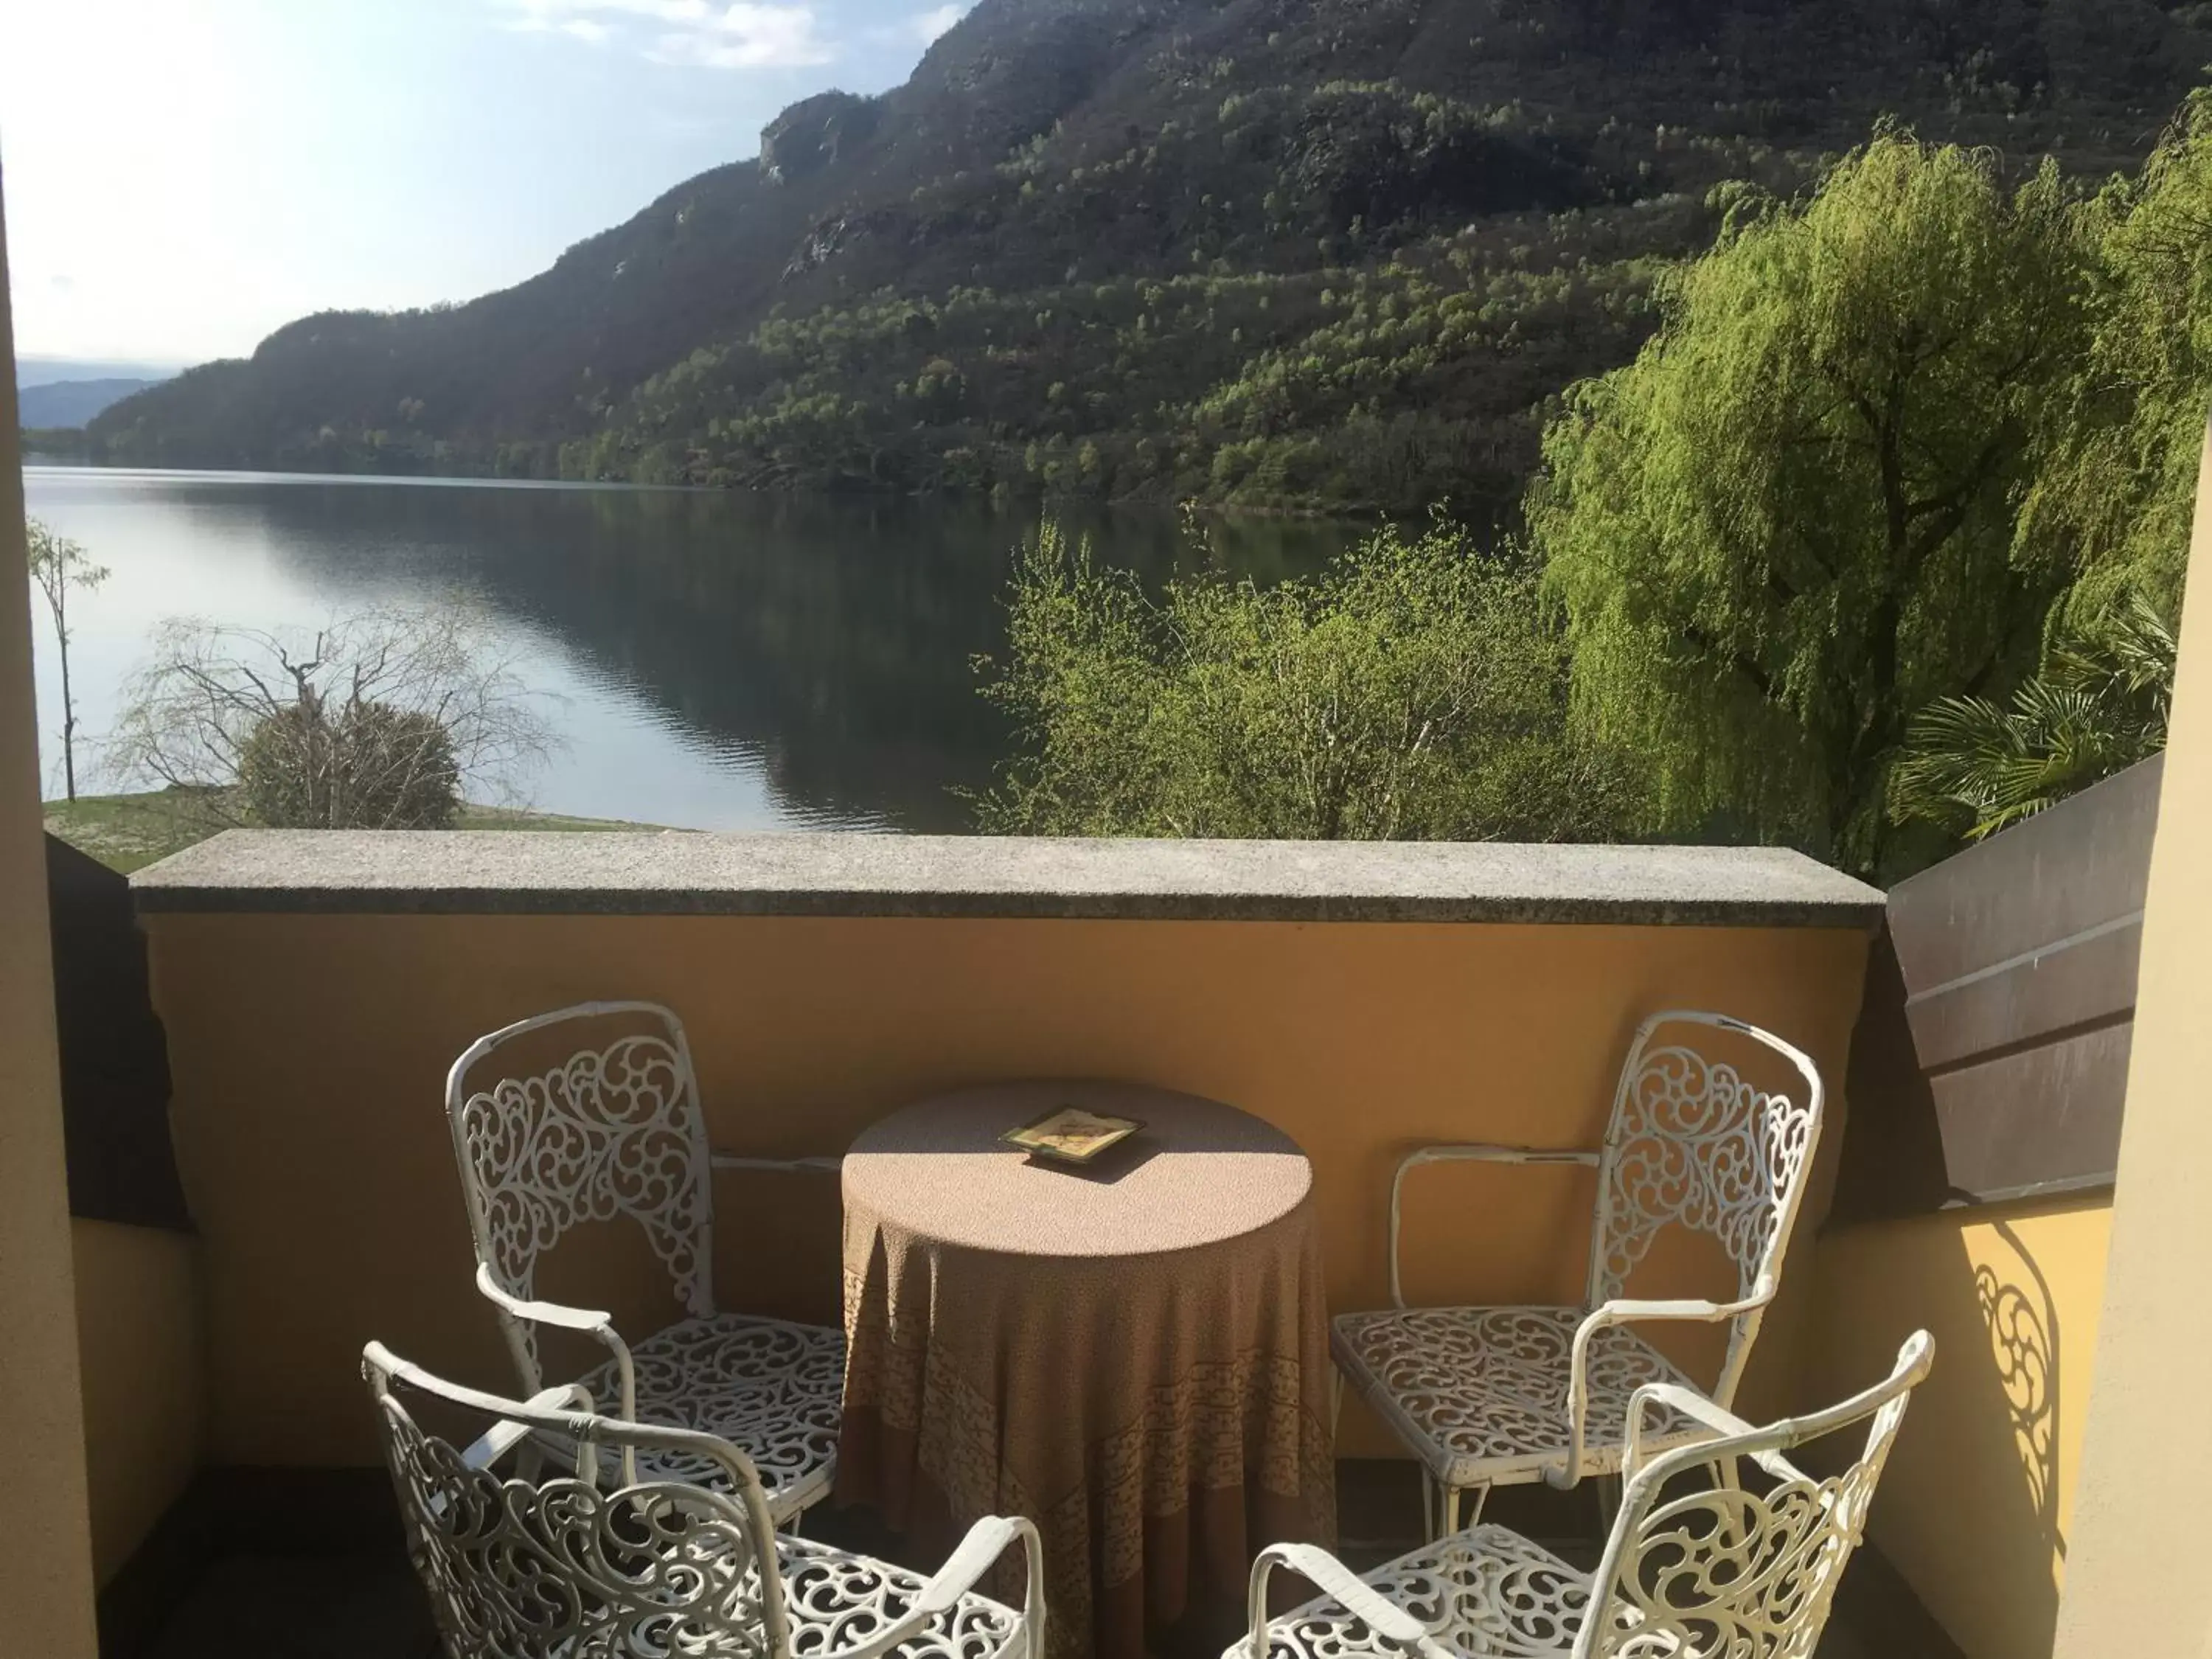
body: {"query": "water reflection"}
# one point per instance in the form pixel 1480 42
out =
pixel 729 661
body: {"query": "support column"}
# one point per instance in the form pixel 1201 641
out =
pixel 46 1541
pixel 2142 1514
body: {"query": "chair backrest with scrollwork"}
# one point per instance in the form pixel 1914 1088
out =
pixel 613 1131
pixel 559 1567
pixel 1695 1144
pixel 1697 1568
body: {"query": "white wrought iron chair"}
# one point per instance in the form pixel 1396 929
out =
pixel 1501 1396
pixel 561 1567
pixel 617 1131
pixel 1696 1567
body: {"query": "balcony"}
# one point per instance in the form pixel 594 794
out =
pixel 1364 998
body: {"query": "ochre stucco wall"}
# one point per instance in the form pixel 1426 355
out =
pixel 1974 1507
pixel 309 1053
pixel 141 1357
pixel 46 1558
pixel 2143 1528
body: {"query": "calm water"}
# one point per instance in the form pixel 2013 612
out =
pixel 722 661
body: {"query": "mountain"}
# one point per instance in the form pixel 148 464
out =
pixel 33 369
pixel 72 403
pixel 1300 253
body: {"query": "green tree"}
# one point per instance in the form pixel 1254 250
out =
pixel 2098 705
pixel 379 721
pixel 1789 523
pixel 2115 495
pixel 319 763
pixel 61 567
pixel 1415 690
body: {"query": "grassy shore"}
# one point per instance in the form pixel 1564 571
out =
pixel 127 832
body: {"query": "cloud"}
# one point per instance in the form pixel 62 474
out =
pixel 547 15
pixel 930 24
pixel 920 28
pixel 748 34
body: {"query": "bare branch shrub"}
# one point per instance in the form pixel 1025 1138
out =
pixel 379 720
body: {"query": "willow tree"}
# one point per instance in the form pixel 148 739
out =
pixel 2115 492
pixel 1789 523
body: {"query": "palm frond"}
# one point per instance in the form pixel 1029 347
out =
pixel 2099 705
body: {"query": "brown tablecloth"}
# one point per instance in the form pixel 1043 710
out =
pixel 1137 1360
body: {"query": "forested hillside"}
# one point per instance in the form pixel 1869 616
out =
pixel 62 404
pixel 1306 254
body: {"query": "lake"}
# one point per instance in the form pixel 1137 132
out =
pixel 720 660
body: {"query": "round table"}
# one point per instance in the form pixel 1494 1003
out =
pixel 1136 1356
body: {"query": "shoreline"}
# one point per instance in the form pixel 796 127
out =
pixel 1039 507
pixel 128 831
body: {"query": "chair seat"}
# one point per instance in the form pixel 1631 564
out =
pixel 1480 1394
pixel 768 1387
pixel 1487 1593
pixel 835 1600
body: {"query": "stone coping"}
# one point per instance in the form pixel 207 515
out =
pixel 808 874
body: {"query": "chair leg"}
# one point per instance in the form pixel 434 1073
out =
pixel 1454 1519
pixel 1428 1507
pixel 1609 1501
pixel 1335 1400
pixel 1476 1497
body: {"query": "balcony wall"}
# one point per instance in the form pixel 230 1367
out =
pixel 140 1356
pixel 316 986
pixel 1976 1501
pixel 1975 1196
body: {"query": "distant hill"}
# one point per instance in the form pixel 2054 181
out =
pixel 72 403
pixel 1302 253
pixel 36 368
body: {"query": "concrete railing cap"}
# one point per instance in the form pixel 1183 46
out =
pixel 523 872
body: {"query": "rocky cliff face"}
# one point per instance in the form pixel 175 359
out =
pixel 815 133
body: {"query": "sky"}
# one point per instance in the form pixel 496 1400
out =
pixel 182 177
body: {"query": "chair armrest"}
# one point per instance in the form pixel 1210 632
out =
pixel 965 1567
pixel 721 1160
pixel 963 1570
pixel 1385 1618
pixel 589 1321
pixel 502 1438
pixel 1687 1402
pixel 1690 1403
pixel 1628 1311
pixel 1464 1152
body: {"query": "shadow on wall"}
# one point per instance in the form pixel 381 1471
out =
pixel 1988 1074
pixel 2022 1323
pixel 1973 1509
